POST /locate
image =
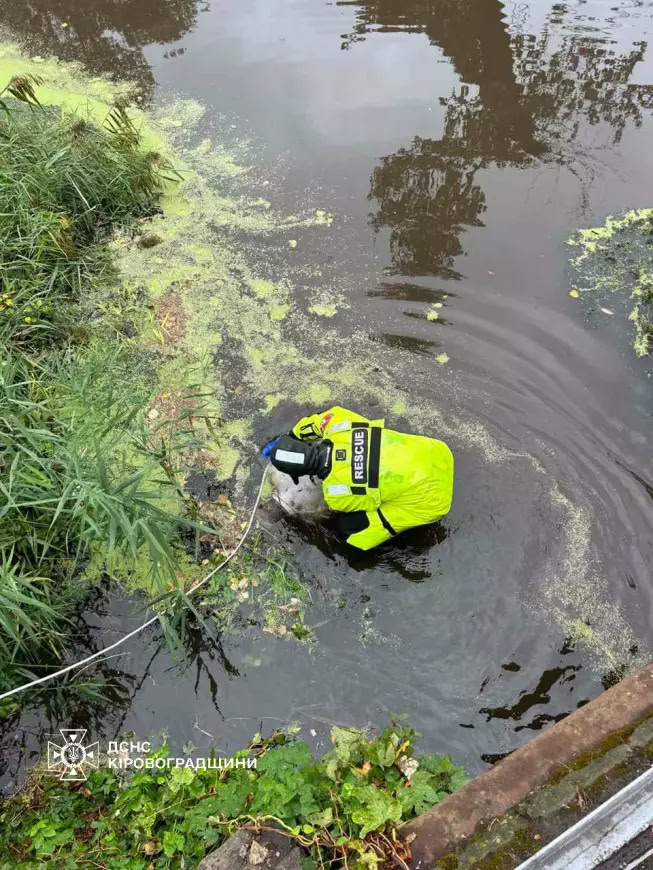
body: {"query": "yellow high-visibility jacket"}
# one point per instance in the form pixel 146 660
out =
pixel 399 480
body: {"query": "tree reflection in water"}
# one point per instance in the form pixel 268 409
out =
pixel 523 99
pixel 107 36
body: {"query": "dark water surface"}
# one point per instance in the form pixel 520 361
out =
pixel 459 143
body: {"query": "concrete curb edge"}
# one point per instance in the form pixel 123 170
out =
pixel 456 818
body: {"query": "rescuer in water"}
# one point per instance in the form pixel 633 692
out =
pixel 380 481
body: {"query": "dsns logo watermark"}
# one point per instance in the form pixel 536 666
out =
pixel 70 759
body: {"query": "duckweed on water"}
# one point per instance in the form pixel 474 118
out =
pixel 618 258
pixel 252 273
pixel 224 281
pixel 323 310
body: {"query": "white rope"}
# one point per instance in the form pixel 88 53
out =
pixel 154 619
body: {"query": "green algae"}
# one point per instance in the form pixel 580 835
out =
pixel 279 312
pixel 263 288
pixel 613 259
pixel 323 310
pixel 327 302
pixel 579 630
pixel 271 401
pixel 64 84
pixel 225 252
pixel 220 163
pixel 135 573
pixel 317 394
pixel 575 596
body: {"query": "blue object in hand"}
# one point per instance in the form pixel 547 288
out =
pixel 267 449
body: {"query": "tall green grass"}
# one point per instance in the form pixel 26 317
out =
pixel 79 470
pixel 78 467
pixel 65 183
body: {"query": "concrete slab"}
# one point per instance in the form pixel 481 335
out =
pixel 489 796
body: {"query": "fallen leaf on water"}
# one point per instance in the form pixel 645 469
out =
pixel 442 358
pixel 574 293
pixel 292 243
pixel 607 311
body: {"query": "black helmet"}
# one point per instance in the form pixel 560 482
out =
pixel 297 458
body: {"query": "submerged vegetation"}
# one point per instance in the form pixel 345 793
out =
pixel 343 810
pixel 618 258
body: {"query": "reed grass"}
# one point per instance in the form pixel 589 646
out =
pixel 78 467
pixel 65 183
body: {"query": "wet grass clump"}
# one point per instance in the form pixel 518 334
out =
pixel 79 469
pixel 65 183
pixel 70 480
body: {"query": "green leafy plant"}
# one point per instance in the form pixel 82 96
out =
pixel 344 810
